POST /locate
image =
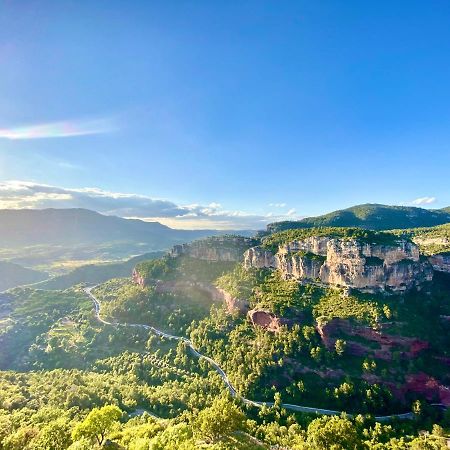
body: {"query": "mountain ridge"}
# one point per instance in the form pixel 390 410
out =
pixel 370 216
pixel 20 227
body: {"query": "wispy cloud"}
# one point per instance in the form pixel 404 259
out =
pixel 291 212
pixel 25 194
pixel 424 200
pixel 60 129
pixel 278 205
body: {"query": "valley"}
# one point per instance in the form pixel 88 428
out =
pixel 280 334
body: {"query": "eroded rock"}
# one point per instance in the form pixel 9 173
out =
pixel 265 319
pixel 406 347
pixel 440 262
pixel 347 263
pixel 217 248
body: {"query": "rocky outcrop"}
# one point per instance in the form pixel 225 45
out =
pixel 386 344
pixel 217 248
pixel 259 258
pixel 265 319
pixel 440 262
pixel 138 278
pixel 232 304
pixel 347 263
pixel 429 387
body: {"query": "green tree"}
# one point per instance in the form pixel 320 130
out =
pixel 221 418
pixel 82 444
pixel 340 346
pixel 332 433
pixel 174 437
pixel 429 442
pixel 54 436
pixel 98 423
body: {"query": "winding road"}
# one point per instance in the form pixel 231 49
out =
pixel 221 372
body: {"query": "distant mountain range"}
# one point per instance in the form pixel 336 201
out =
pixel 371 216
pixel 57 240
pixel 27 227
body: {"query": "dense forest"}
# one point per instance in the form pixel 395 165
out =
pixel 70 381
pixel 370 216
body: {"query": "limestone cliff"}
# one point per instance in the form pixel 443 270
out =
pixel 440 262
pixel 218 248
pixel 369 267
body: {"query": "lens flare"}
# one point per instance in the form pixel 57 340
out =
pixel 59 129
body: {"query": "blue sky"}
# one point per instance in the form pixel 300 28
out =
pixel 224 114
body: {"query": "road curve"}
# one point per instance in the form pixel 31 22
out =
pixel 221 372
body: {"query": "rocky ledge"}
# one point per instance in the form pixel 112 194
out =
pixel 350 263
pixel 217 248
pixel 440 262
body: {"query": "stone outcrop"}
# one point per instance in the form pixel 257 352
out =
pixel 232 304
pixel 216 294
pixel 138 278
pixel 217 248
pixel 347 263
pixel 259 258
pixel 386 344
pixel 264 319
pixel 429 387
pixel 440 262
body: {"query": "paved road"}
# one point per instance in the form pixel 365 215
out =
pixel 221 372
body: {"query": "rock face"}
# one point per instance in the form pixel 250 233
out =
pixel 378 344
pixel 429 387
pixel 264 319
pixel 347 263
pixel 216 294
pixel 440 262
pixel 218 248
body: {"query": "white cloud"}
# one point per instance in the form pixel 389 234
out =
pixel 24 194
pixel 278 205
pixel 60 129
pixel 424 200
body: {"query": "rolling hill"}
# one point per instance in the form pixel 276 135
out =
pixel 12 275
pixel 371 216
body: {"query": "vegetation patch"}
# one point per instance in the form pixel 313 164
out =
pixel 334 304
pixel 272 241
pixel 183 268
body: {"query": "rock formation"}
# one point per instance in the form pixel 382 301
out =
pixel 217 248
pixel 264 319
pixel 216 294
pixel 369 267
pixel 440 262
pixel 386 344
pixel 138 278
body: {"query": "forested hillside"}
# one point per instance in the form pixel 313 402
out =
pixel 72 381
pixel 371 216
pixel 12 275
